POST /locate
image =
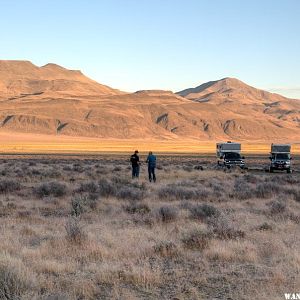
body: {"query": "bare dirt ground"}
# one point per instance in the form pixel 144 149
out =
pixel 21 143
pixel 78 227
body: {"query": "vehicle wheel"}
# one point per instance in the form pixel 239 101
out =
pixel 289 171
pixel 271 170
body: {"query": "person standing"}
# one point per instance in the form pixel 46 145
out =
pixel 151 160
pixel 135 163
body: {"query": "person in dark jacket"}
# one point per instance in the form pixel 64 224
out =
pixel 135 163
pixel 151 160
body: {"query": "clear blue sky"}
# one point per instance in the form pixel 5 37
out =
pixel 159 44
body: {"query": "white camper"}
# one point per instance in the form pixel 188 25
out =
pixel 229 154
pixel 280 158
pixel 223 148
pixel 280 148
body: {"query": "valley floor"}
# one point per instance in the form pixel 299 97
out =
pixel 12 142
pixel 79 227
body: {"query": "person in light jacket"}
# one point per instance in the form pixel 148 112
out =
pixel 151 160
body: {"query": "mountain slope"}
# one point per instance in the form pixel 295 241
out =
pixel 56 101
pixel 19 78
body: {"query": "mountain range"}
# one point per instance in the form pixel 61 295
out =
pixel 55 101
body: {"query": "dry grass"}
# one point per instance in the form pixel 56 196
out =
pixel 81 229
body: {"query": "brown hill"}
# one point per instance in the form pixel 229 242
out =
pixel 228 89
pixel 56 101
pixel 22 78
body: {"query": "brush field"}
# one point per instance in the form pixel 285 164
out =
pixel 78 227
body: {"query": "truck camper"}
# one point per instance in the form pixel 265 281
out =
pixel 229 155
pixel 280 158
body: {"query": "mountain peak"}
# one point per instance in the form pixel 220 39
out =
pixel 57 68
pixel 232 82
pixel 53 66
pixel 228 88
pixel 216 85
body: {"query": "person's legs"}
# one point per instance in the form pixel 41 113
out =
pixel 137 171
pixel 134 172
pixel 153 174
pixel 149 173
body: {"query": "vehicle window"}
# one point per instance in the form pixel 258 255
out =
pixel 232 155
pixel 282 156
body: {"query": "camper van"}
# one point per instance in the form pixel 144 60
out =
pixel 280 158
pixel 229 155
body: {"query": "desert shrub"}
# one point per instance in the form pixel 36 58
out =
pixel 294 192
pixel 217 186
pixel 187 168
pixel 74 229
pixel 55 189
pixel 186 183
pixel 148 219
pixel 137 208
pixel 3 172
pixel 19 172
pixel 277 207
pixel 282 180
pixel 265 226
pixel 35 172
pixel 116 169
pixel 90 186
pixel 8 185
pixel 203 211
pixel 130 193
pixel 93 196
pixel 250 178
pixel 13 281
pixel 120 180
pixel 267 189
pixel 222 228
pixel 242 190
pixel 78 205
pixel 67 168
pixel 198 167
pixel 102 171
pixel 106 188
pixel 167 213
pixel 166 249
pixel 186 205
pixel 24 213
pixel 52 173
pixel 138 185
pixel 197 239
pixel 203 193
pixel 178 192
pixel 290 179
pixel 297 196
pixel 78 168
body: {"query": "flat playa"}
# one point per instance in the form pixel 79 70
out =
pixel 35 143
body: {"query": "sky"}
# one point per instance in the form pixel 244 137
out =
pixel 159 44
